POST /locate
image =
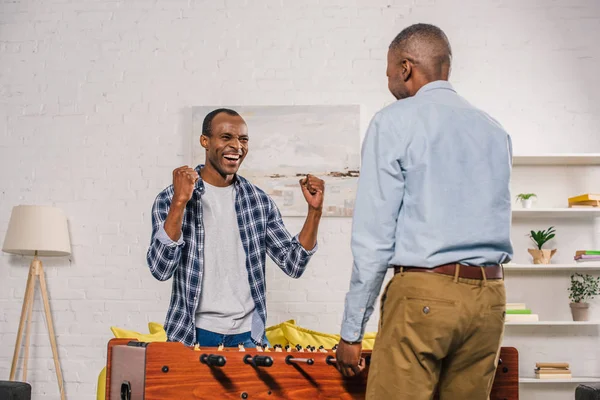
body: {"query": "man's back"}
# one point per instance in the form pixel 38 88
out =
pixel 456 163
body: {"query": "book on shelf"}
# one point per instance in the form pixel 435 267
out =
pixel 554 376
pixel 518 311
pixel 552 371
pixel 585 200
pixel 587 253
pixel 584 197
pixel 549 365
pixel 587 258
pixel 521 317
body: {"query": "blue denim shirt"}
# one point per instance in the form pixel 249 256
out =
pixel 433 189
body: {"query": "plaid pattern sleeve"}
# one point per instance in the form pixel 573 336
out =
pixel 283 248
pixel 162 256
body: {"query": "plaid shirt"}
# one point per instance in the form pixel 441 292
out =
pixel 262 232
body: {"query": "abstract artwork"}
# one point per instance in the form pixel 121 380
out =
pixel 288 142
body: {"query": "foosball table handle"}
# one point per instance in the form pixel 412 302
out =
pixel 330 360
pixel 213 360
pixel 292 360
pixel 258 361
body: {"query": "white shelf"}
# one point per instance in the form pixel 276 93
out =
pixel 556 212
pixel 575 379
pixel 554 323
pixel 558 159
pixel 584 266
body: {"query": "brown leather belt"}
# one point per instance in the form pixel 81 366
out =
pixel 465 271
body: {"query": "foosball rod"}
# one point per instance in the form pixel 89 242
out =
pixel 294 360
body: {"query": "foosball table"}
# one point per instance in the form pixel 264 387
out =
pixel 167 370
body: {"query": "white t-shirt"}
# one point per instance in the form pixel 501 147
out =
pixel 226 303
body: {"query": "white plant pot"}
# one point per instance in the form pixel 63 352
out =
pixel 526 203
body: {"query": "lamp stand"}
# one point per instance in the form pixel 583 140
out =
pixel 36 272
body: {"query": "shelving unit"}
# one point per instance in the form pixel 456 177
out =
pixel 553 323
pixel 557 159
pixel 574 267
pixel 581 379
pixel 554 216
pixel 556 212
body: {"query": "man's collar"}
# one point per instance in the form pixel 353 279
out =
pixel 435 85
pixel 200 183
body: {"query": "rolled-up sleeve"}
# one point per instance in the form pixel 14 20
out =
pixel 283 248
pixel 378 200
pixel 163 254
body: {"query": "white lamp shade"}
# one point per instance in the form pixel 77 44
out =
pixel 37 228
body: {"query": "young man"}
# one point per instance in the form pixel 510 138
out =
pixel 211 231
pixel 433 202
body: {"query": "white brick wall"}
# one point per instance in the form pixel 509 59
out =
pixel 94 97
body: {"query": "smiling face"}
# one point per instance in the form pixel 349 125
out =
pixel 227 145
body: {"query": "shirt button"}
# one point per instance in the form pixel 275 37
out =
pixel 425 310
pixel 362 310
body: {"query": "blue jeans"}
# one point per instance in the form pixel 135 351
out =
pixel 212 339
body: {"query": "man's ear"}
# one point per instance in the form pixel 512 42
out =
pixel 406 69
pixel 204 141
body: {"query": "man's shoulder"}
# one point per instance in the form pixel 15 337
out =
pixel 251 188
pixel 399 110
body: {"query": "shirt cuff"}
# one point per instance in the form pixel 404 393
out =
pixel 351 333
pixel 306 252
pixel 354 318
pixel 162 237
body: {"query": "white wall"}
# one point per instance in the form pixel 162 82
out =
pixel 94 99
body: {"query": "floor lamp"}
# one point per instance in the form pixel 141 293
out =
pixel 36 231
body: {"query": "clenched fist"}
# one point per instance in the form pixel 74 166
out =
pixel 184 179
pixel 313 190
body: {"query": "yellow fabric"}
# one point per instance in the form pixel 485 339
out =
pixel 157 333
pixel 284 333
pixel 276 335
pixel 101 391
pixel 290 333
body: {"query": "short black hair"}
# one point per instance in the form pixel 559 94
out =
pixel 426 42
pixel 207 123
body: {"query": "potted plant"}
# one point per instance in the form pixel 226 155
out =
pixel 583 288
pixel 542 256
pixel 526 199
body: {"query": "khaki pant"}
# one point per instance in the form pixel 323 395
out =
pixel 437 332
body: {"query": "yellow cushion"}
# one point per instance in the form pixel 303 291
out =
pixel 157 333
pixel 101 391
pixel 294 334
pixel 276 335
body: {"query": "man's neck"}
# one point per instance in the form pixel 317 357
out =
pixel 213 177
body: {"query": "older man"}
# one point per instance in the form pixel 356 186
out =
pixel 433 203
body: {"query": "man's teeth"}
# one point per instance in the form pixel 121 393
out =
pixel 232 157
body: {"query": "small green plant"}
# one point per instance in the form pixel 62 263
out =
pixel 525 196
pixel 541 237
pixel 583 287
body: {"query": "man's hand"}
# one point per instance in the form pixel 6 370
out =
pixel 184 179
pixel 349 361
pixel 313 190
